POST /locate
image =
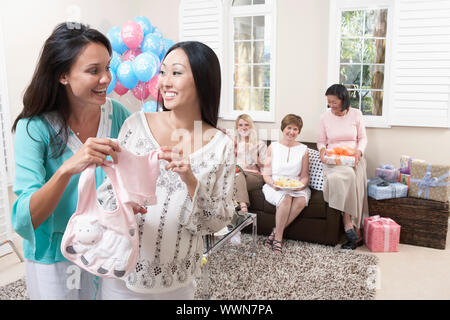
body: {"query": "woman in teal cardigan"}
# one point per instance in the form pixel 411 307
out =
pixel 64 127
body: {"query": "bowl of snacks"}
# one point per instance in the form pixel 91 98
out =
pixel 288 184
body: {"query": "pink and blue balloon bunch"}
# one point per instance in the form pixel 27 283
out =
pixel 138 48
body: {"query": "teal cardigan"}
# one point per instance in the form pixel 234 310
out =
pixel 34 167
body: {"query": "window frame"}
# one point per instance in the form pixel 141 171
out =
pixel 5 111
pixel 269 11
pixel 334 44
pixel 7 149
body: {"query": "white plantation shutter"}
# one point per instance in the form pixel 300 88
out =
pixel 5 224
pixel 421 64
pixel 202 20
pixel 5 166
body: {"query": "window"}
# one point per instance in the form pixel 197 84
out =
pixel 362 30
pixel 250 84
pixel 242 33
pixel 362 58
pixel 393 56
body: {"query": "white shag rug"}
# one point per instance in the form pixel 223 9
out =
pixel 304 271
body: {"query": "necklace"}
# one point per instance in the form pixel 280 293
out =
pixel 77 133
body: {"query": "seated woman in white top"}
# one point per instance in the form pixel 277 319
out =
pixel 250 156
pixel 286 159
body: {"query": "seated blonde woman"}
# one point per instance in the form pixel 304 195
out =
pixel 286 173
pixel 250 156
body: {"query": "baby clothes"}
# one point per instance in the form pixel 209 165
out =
pixel 106 242
pixel 135 176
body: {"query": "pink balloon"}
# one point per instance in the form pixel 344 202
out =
pixel 152 86
pixel 132 34
pixel 120 89
pixel 131 54
pixel 141 91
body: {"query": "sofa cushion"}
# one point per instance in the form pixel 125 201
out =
pixel 315 170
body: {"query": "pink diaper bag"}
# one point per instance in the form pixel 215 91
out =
pixel 106 243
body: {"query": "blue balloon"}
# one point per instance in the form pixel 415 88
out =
pixel 145 66
pixel 145 24
pixel 150 106
pixel 152 42
pixel 167 43
pixel 126 76
pixel 116 40
pixel 157 32
pixel 113 82
pixel 115 61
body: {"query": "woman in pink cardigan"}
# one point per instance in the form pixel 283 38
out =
pixel 345 187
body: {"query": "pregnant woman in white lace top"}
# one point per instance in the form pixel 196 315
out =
pixel 195 185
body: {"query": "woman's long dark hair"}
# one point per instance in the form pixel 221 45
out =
pixel 205 68
pixel 45 93
pixel 341 93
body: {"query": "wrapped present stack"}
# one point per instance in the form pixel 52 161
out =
pixel 381 234
pixel 424 213
pixel 341 156
pixel 385 184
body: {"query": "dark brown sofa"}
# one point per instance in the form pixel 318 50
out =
pixel 317 223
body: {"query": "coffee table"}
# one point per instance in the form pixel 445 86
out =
pixel 213 243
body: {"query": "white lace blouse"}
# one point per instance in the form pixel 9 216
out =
pixel 170 233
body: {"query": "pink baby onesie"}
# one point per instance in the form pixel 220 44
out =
pixel 106 243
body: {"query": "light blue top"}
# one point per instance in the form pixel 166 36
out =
pixel 35 166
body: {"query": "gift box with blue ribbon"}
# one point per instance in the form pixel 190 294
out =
pixel 429 181
pixel 380 189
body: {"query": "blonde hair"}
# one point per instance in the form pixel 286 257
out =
pixel 252 138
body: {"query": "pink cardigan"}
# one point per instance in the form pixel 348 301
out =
pixel 348 130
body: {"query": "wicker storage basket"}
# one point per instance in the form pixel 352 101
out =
pixel 423 222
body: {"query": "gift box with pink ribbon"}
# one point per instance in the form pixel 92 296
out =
pixel 381 234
